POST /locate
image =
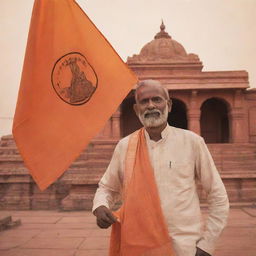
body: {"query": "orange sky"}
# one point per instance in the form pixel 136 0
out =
pixel 221 32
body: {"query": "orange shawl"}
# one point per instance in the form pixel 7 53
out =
pixel 142 230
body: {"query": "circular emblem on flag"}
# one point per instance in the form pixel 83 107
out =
pixel 74 79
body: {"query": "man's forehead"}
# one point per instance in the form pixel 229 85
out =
pixel 150 89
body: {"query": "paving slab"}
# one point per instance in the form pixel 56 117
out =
pixel 75 219
pixel 65 233
pixel 241 252
pixel 19 233
pixel 58 225
pixel 44 213
pixel 101 232
pixel 242 222
pixel 238 214
pixel 56 243
pixel 92 253
pixel 95 243
pixel 234 232
pixel 38 252
pixel 54 233
pixel 7 242
pixel 235 243
pixel 40 219
pixel 250 211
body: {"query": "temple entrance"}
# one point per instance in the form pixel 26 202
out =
pixel 178 115
pixel 214 121
pixel 129 121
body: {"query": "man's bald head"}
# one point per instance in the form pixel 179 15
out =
pixel 151 84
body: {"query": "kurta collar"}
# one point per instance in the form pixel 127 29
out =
pixel 164 133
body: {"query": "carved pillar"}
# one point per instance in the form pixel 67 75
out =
pixel 237 119
pixel 252 124
pixel 116 131
pixel 194 114
pixel 237 125
pixel 194 120
pixel 238 99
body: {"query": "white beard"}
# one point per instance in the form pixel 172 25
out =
pixel 154 121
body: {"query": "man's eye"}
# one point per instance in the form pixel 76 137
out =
pixel 143 102
pixel 157 99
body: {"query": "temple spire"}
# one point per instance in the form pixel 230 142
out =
pixel 162 27
pixel 162 33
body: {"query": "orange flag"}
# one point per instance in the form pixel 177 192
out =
pixel 72 82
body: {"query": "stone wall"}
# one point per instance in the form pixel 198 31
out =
pixel 75 189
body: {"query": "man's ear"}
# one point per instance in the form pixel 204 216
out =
pixel 169 103
pixel 135 108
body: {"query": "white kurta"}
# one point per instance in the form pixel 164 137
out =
pixel 179 159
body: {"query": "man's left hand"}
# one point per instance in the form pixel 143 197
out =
pixel 200 252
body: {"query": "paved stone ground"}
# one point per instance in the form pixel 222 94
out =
pixel 52 233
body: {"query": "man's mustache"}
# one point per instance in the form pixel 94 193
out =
pixel 150 113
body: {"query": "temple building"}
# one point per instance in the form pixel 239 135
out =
pixel 218 105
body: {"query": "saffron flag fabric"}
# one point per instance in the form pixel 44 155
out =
pixel 142 230
pixel 72 82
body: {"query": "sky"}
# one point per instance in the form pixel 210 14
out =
pixel 221 32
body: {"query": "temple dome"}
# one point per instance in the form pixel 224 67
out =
pixel 163 48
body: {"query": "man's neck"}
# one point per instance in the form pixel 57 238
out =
pixel 155 132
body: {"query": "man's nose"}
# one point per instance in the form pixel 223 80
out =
pixel 151 104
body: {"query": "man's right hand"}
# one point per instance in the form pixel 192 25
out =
pixel 104 216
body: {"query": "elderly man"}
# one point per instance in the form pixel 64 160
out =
pixel 154 171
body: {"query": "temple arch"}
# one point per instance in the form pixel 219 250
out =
pixel 214 121
pixel 129 121
pixel 178 115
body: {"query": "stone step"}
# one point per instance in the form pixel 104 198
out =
pixel 13 158
pixel 6 141
pixel 14 224
pixel 13 171
pixel 5 220
pixel 238 171
pixel 235 175
pixel 7 223
pixel 232 148
pixel 241 155
pixel 102 145
pixel 240 167
pixel 91 163
pixel 234 154
pixel 95 155
pixel 230 145
pixel 246 162
pixel 9 151
pixel 17 159
pixel 11 165
pixel 239 163
pixel 88 168
pixel 80 179
pixel 98 146
pixel 104 142
pixel 13 152
pixel 100 150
